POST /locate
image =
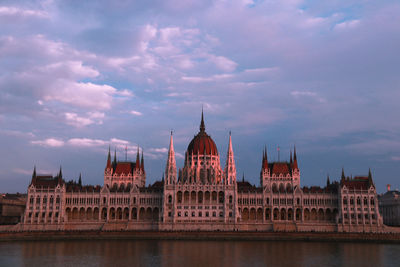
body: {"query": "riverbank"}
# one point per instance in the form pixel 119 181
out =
pixel 223 236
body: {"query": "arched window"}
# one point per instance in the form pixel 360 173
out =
pixel 221 197
pixel 230 199
pixel 345 201
pixel 179 196
pixel 169 199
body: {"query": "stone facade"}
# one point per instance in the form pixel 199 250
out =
pixel 12 208
pixel 389 206
pixel 202 196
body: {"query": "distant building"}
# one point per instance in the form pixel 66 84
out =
pixel 202 196
pixel 12 208
pixel 389 207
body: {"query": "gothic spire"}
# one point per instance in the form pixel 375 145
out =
pixel 34 172
pixel 230 167
pixel 60 173
pixel 109 159
pixel 370 177
pixel 295 166
pixel 265 158
pixel 202 125
pixel 170 168
pixel 137 158
pixel 80 179
pixel 115 156
pixel 142 162
pixel 343 176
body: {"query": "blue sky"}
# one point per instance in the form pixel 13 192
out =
pixel 76 77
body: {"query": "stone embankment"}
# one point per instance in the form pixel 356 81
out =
pixel 222 236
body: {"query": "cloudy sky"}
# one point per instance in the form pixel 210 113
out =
pixel 78 76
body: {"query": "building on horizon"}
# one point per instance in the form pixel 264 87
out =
pixel 202 196
pixel 389 206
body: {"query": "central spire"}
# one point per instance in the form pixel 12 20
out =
pixel 202 126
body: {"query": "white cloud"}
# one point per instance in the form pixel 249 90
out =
pixel 17 133
pixel 78 121
pixel 223 63
pixel 125 93
pixel 158 150
pixel 22 171
pixel 119 141
pixel 136 113
pixel 314 95
pixel 349 24
pixel 69 69
pixel 196 79
pixel 179 155
pixel 396 158
pixel 18 12
pixel 50 142
pixel 86 95
pixel 86 142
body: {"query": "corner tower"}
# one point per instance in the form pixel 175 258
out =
pixel 230 166
pixel 170 168
pixel 280 176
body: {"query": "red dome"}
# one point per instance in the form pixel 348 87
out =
pixel 202 142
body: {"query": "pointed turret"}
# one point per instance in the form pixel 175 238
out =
pixel 291 160
pixel 34 172
pixel 370 182
pixel 115 157
pixel 328 182
pixel 230 166
pixel 264 174
pixel 295 166
pixel 80 179
pixel 265 158
pixel 170 168
pixel 142 162
pixel 137 165
pixel 60 173
pixel 343 176
pixel 202 125
pixel 108 159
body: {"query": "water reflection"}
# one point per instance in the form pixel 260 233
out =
pixel 196 253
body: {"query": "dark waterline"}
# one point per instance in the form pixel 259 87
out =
pixel 196 253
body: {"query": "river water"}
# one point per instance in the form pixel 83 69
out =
pixel 196 253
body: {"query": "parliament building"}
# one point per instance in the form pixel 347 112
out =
pixel 202 196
